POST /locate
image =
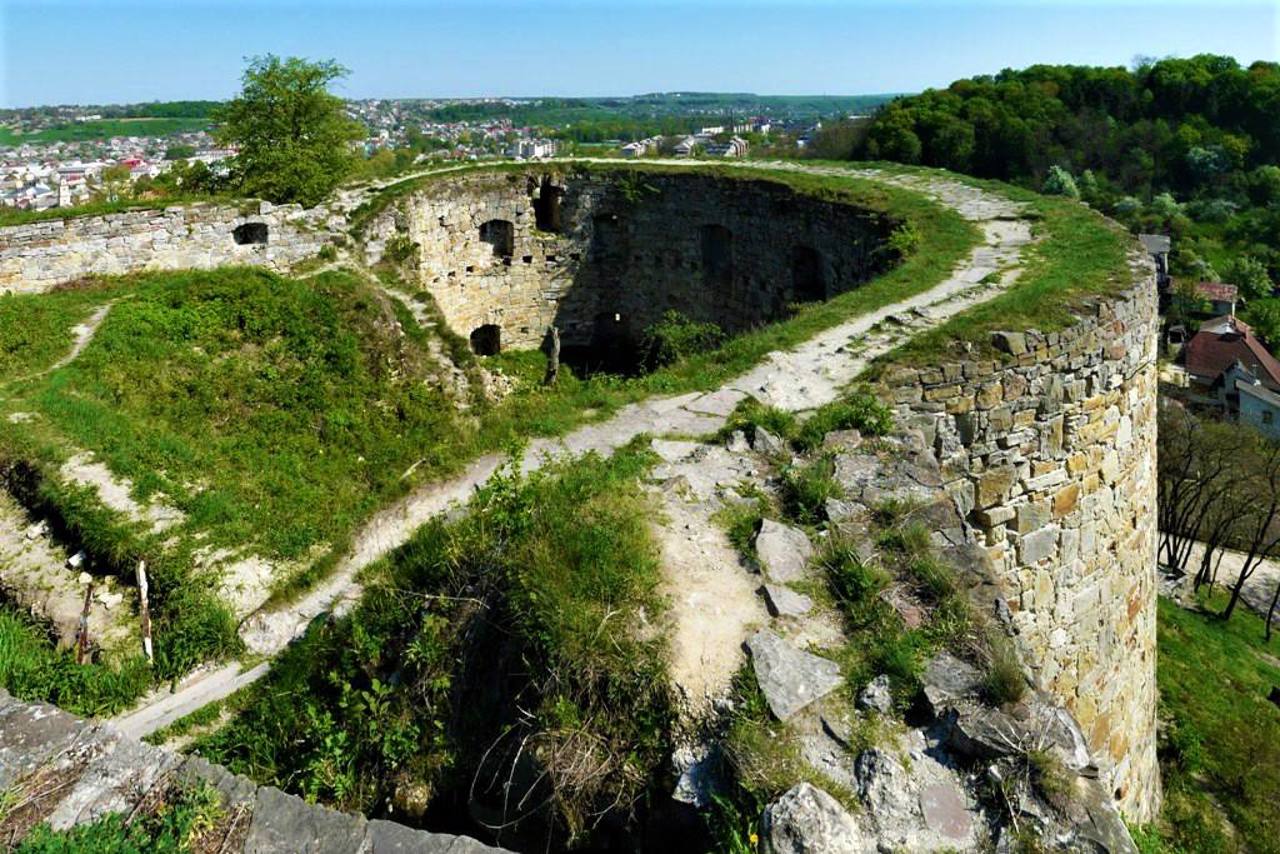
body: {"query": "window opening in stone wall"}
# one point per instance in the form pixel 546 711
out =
pixel 250 234
pixel 501 235
pixel 486 340
pixel 717 254
pixel 608 240
pixel 546 207
pixel 807 279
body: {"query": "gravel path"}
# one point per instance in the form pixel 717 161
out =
pixel 804 378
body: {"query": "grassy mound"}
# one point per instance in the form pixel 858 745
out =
pixel 509 647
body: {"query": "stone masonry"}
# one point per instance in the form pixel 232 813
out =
pixel 612 252
pixel 40 255
pixel 1050 452
pixel 70 772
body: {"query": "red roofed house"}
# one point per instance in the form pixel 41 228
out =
pixel 1222 342
pixel 1221 296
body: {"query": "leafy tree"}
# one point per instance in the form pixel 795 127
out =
pixel 1250 276
pixel 179 152
pixel 115 183
pixel 293 136
pixel 1264 316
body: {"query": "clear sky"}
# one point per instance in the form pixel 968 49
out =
pixel 113 51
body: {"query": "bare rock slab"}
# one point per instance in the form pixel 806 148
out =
pixel 807 820
pixel 284 823
pixel 790 678
pixel 785 602
pixel 784 551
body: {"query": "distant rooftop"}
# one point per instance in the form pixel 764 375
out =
pixel 1217 291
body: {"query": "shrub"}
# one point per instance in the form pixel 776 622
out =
pixel 861 411
pixel 806 487
pixel 1004 681
pixel 904 240
pixel 401 249
pixel 676 337
pixel 1059 182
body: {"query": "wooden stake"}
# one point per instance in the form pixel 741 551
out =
pixel 553 358
pixel 144 610
pixel 82 636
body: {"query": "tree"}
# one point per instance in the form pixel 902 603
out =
pixel 293 137
pixel 115 183
pixel 1258 519
pixel 1250 276
pixel 1264 316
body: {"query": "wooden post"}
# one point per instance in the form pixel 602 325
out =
pixel 82 636
pixel 144 610
pixel 553 357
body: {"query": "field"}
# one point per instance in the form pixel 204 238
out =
pixel 105 129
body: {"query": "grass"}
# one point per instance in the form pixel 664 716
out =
pixel 184 819
pixel 524 625
pixel 101 129
pixel 13 216
pixel 1220 745
pixel 35 331
pixel 32 669
pixel 1079 255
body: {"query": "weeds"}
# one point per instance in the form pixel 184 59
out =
pixel 513 633
pixel 807 486
pixel 1004 681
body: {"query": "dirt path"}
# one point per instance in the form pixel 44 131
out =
pixel 804 378
pixel 1258 588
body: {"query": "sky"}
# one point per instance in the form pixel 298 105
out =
pixel 121 51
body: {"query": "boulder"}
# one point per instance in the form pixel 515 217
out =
pixel 790 678
pixel 766 443
pixel 917 807
pixel 785 602
pixel 985 733
pixel 807 820
pixel 947 680
pixel 784 551
pixel 698 767
pixel 876 696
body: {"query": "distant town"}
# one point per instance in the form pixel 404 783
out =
pixel 68 156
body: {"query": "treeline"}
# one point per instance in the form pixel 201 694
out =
pixel 1174 125
pixel 164 110
pixel 1185 147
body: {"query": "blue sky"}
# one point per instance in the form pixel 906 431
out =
pixel 95 51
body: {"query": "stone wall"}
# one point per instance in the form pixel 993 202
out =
pixel 614 252
pixel 1050 451
pixel 37 256
pixel 69 772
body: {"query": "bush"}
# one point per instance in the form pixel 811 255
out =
pixel 806 487
pixel 32 669
pixel 861 411
pixel 1059 182
pixel 676 337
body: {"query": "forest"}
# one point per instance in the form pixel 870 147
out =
pixel 1185 147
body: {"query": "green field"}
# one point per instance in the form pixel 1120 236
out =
pixel 104 129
